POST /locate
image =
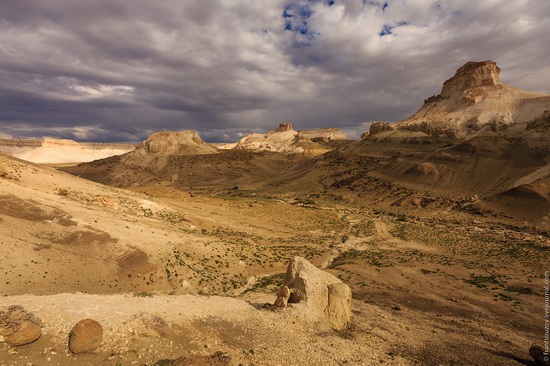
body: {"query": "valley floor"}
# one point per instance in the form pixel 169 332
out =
pixel 183 273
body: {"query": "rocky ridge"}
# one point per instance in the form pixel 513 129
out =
pixel 473 101
pixel 285 139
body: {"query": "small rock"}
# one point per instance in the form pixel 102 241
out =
pixel 86 336
pixel 18 326
pixel 150 325
pixel 282 297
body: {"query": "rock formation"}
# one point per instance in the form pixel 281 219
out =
pixel 282 297
pixel 283 127
pixel 478 136
pixel 171 143
pixel 285 139
pixel 18 326
pixel 326 298
pixel 377 127
pixel 86 336
pixel 157 149
pixel 475 100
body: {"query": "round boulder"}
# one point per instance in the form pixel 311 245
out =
pixel 18 326
pixel 86 336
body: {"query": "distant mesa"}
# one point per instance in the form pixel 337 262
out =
pixel 285 139
pixel 55 151
pixel 283 127
pixel 182 143
pixel 159 148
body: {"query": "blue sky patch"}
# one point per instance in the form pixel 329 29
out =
pixel 383 5
pixel 388 28
pixel 297 16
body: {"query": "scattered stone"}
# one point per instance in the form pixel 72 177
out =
pixel 538 355
pixel 18 326
pixel 86 336
pixel 216 359
pixel 150 325
pixel 327 298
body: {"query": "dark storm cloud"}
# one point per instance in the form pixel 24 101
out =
pixel 111 70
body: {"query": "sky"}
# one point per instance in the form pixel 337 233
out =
pixel 113 70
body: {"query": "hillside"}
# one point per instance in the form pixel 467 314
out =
pixel 439 229
pixel 74 249
pixel 478 138
pixel 56 151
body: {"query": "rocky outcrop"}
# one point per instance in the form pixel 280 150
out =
pixel 473 101
pixel 377 127
pixel 50 142
pixel 472 74
pixel 156 152
pixel 283 127
pixel 286 140
pixel 18 326
pixel 171 143
pixel 282 297
pixel 326 298
pixel 86 336
pixel 324 135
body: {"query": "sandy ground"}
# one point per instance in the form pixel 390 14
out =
pixel 168 273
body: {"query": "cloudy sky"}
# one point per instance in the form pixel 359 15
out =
pixel 114 70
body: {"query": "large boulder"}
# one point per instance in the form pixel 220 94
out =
pixel 326 298
pixel 86 336
pixel 18 326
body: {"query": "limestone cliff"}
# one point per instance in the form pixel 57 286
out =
pixel 475 100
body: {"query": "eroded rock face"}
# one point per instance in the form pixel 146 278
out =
pixel 474 101
pixel 326 297
pixel 174 142
pixel 86 336
pixel 18 326
pixel 377 127
pixel 282 297
pixel 284 127
pixel 472 74
pixel 286 140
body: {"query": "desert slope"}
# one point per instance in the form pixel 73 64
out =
pixel 478 138
pixel 56 151
pixel 135 260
